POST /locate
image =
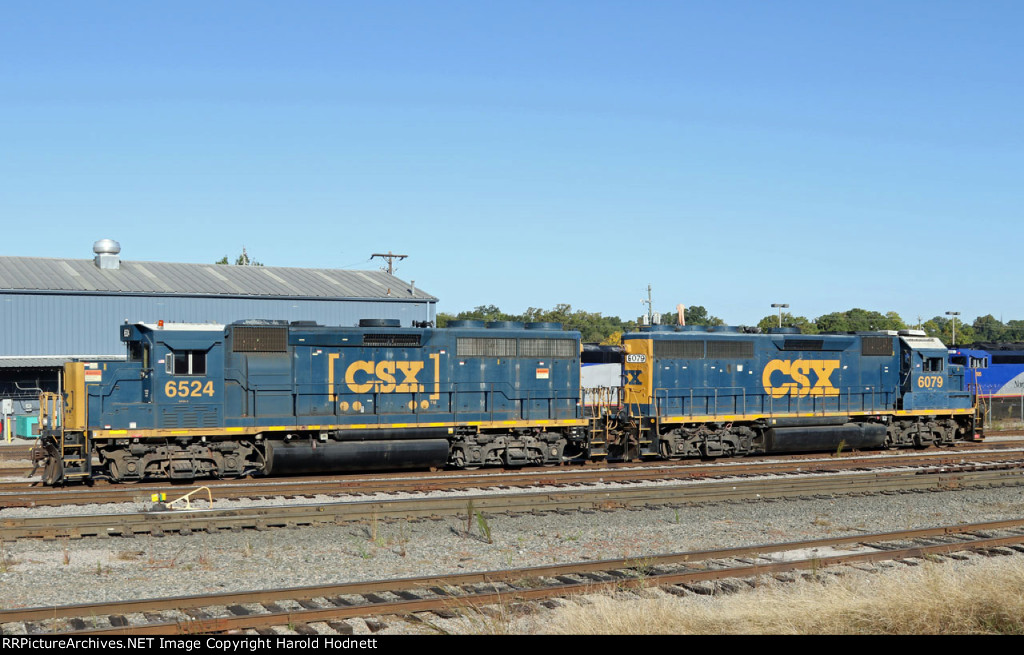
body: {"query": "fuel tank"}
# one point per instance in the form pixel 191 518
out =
pixel 335 457
pixel 824 437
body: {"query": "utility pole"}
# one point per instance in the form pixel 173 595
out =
pixel 390 256
pixel 650 306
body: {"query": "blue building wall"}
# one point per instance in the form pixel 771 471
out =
pixel 86 324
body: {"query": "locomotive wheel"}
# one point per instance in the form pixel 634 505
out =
pixel 115 474
pixel 458 461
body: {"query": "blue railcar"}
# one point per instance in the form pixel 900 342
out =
pixel 995 372
pixel 271 397
pixel 694 391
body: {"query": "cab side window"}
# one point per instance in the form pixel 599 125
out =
pixel 186 362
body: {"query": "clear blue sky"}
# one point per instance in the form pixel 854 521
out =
pixel 828 154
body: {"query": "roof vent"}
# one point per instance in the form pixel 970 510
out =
pixel 107 254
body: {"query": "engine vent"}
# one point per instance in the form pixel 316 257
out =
pixel 803 344
pixel 391 340
pixel 730 349
pixel 689 349
pixel 260 340
pixel 878 346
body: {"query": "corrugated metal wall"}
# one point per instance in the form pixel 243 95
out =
pixel 59 324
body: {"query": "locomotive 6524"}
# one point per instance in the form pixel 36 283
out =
pixel 271 397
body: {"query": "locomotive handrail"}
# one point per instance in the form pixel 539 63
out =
pixel 869 399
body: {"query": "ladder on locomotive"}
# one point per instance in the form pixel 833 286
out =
pixel 72 448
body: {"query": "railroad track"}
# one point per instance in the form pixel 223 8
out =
pixel 28 494
pixel 423 600
pixel 582 498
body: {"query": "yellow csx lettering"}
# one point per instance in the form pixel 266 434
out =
pixel 380 377
pixel 798 383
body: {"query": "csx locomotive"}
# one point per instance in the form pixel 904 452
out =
pixel 694 391
pixel 270 397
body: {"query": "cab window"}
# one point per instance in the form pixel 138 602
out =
pixel 187 362
pixel 932 364
pixel 138 352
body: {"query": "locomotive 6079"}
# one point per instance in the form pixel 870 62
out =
pixel 269 397
pixel 272 397
pixel 688 391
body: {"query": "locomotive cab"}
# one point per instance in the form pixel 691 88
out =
pixel 927 378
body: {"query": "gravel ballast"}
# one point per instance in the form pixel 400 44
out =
pixel 41 573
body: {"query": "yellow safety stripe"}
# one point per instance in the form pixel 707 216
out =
pixel 197 432
pixel 755 417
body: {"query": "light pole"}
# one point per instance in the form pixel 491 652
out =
pixel 954 315
pixel 780 307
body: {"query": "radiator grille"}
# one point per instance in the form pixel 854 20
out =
pixel 548 348
pixel 481 347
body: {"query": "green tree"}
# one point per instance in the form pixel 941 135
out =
pixel 859 320
pixel 613 339
pixel 241 260
pixel 479 313
pixel 695 315
pixel 788 320
pixel 988 328
pixel 1014 331
pixel 592 326
pixel 942 329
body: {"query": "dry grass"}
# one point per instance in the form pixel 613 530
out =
pixel 981 598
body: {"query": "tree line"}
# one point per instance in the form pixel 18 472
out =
pixel 597 328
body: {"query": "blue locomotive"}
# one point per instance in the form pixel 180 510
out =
pixel 695 391
pixel 269 397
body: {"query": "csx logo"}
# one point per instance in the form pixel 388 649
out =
pixel 785 376
pixel 383 377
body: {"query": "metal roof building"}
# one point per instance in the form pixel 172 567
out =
pixel 54 310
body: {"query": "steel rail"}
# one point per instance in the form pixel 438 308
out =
pixel 577 499
pixel 528 583
pixel 22 494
